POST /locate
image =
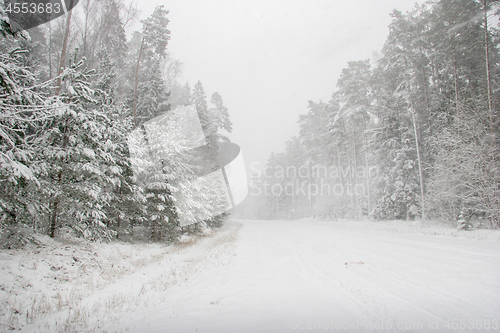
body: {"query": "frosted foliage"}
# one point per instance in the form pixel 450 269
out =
pixel 202 198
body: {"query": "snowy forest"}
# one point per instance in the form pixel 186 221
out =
pixel 71 91
pixel 413 134
pixel 382 213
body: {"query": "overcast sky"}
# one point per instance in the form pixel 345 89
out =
pixel 268 58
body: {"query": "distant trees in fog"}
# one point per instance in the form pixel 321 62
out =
pixel 424 117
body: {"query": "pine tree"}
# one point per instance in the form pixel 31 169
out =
pixel 79 159
pixel 113 40
pixel 208 123
pixel 354 91
pixel 220 117
pixel 314 135
pixel 151 46
pixel 24 111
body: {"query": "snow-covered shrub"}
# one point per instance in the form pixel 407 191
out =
pixel 15 236
pixel 464 222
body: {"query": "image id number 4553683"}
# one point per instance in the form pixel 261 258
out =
pixel 33 7
pixel 472 324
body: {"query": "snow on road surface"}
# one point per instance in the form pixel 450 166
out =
pixel 312 275
pixel 308 275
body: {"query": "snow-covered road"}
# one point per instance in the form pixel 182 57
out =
pixel 309 275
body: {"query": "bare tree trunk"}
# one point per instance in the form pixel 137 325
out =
pixel 417 146
pixel 455 76
pixel 490 112
pixel 349 180
pixel 427 104
pixel 422 201
pixel 354 173
pixel 50 51
pixel 53 218
pixel 63 51
pixel 367 170
pixel 425 89
pixel 488 79
pixel 55 203
pixel 339 164
pixel 137 77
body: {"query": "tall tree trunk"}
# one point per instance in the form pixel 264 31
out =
pixel 426 94
pixel 349 180
pixel 137 77
pixel 495 199
pixel 422 200
pixel 427 104
pixel 417 146
pixel 367 170
pixel 488 78
pixel 354 172
pixel 50 51
pixel 55 203
pixel 455 76
pixel 64 47
pixel 53 218
pixel 339 164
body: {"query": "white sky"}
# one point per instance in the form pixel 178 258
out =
pixel 268 58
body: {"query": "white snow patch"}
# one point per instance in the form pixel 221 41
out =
pixel 261 276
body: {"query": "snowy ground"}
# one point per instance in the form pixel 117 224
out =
pixel 262 276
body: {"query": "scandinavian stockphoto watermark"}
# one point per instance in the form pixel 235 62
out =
pixel 359 326
pixel 179 133
pixel 311 180
pixel 486 325
pixel 27 14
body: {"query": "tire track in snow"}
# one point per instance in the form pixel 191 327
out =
pixel 371 279
pixel 443 292
pixel 335 277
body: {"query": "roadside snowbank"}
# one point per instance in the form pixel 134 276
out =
pixel 418 228
pixel 67 285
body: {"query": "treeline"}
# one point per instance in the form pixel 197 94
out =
pixel 414 135
pixel 70 92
